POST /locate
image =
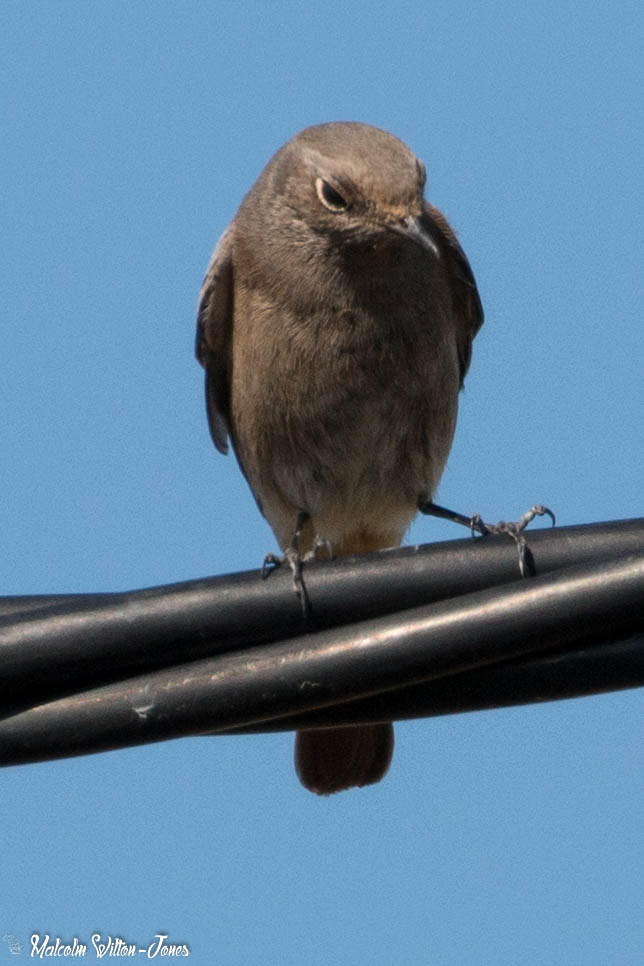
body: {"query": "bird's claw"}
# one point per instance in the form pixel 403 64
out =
pixel 294 559
pixel 476 524
pixel 270 563
pixel 515 530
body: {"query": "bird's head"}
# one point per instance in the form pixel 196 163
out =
pixel 353 183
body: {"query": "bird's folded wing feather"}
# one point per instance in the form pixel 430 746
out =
pixel 465 296
pixel 214 334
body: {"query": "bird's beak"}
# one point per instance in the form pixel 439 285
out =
pixel 413 228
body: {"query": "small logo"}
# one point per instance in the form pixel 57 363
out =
pixel 15 944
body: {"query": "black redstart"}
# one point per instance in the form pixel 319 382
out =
pixel 335 326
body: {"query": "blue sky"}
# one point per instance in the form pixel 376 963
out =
pixel 130 134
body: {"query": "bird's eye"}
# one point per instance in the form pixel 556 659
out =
pixel 329 197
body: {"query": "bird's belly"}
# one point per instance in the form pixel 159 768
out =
pixel 356 427
pixel 357 467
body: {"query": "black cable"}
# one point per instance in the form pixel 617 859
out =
pixel 567 610
pixel 51 646
pixel 611 665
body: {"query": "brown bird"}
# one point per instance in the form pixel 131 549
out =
pixel 335 326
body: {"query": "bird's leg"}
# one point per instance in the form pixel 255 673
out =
pixel 294 559
pixel 476 524
pixel 434 510
pixel 515 529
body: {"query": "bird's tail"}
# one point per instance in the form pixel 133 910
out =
pixel 330 760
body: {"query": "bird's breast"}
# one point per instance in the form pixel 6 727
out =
pixel 342 409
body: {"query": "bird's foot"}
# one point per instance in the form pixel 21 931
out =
pixel 295 560
pixel 515 529
pixel 476 524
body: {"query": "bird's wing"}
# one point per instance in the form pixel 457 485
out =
pixel 214 334
pixel 466 300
